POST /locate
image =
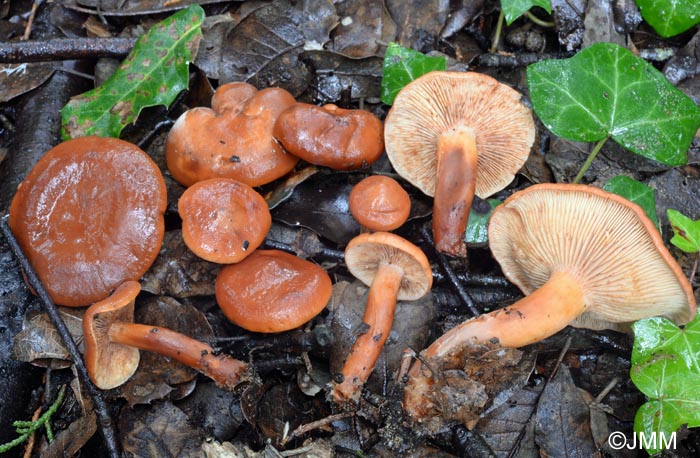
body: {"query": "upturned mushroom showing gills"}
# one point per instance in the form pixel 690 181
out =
pixel 582 256
pixel 89 216
pixel 379 203
pixel 232 139
pixel 223 220
pixel 330 136
pixel 113 340
pixel 453 135
pixel 394 269
pixel 272 291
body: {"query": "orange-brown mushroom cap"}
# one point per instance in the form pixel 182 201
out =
pixel 89 216
pixel 110 364
pixel 330 136
pixel 233 139
pixel 272 291
pixel 223 220
pixel 379 203
pixel 438 102
pixel 366 253
pixel 602 240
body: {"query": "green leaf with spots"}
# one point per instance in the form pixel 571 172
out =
pixel 477 226
pixel 513 9
pixel 670 17
pixel 666 368
pixel 606 91
pixel 154 73
pixel 686 232
pixel 635 192
pixel 403 65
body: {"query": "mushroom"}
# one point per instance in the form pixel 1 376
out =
pixel 330 136
pixel 113 340
pixel 394 269
pixel 232 139
pixel 583 256
pixel 379 203
pixel 453 135
pixel 89 216
pixel 272 291
pixel 223 220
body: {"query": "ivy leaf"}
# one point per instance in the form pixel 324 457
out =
pixel 513 9
pixel 686 232
pixel 154 73
pixel 403 65
pixel 635 192
pixel 477 226
pixel 666 368
pixel 670 17
pixel 606 91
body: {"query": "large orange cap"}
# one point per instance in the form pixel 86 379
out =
pixel 223 220
pixel 233 139
pixel 330 136
pixel 602 240
pixel 440 102
pixel 89 216
pixel 272 291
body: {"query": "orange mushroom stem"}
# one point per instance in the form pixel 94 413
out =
pixel 224 370
pixel 454 189
pixel 395 269
pixel 113 341
pixel 379 316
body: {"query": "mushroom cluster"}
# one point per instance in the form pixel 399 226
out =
pixel 92 209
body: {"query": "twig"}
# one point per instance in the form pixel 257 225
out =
pixel 562 353
pixel 16 52
pixel 452 276
pixel 303 429
pixel 105 422
pixel 691 277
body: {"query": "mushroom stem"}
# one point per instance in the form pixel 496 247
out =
pixel 227 372
pixel 379 316
pixel 454 190
pixel 546 311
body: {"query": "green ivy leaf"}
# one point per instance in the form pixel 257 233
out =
pixel 635 192
pixel 513 9
pixel 403 65
pixel 154 73
pixel 477 226
pixel 686 232
pixel 670 17
pixel 666 368
pixel 606 91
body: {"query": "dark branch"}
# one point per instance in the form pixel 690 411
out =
pixel 64 49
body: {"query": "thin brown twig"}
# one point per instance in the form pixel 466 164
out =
pixel 303 429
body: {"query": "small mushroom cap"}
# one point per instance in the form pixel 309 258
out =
pixel 438 102
pixel 89 216
pixel 330 136
pixel 272 291
pixel 110 364
pixel 604 241
pixel 379 203
pixel 233 139
pixel 367 252
pixel 223 220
